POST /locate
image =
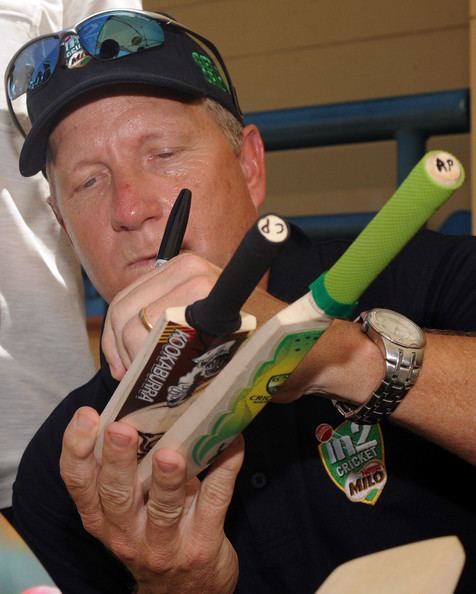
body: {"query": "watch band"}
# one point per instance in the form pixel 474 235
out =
pixel 402 366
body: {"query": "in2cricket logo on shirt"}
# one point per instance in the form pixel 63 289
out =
pixel 353 456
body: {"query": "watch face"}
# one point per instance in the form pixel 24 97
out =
pixel 396 327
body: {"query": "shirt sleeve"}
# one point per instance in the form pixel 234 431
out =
pixel 74 11
pixel 451 291
pixel 432 281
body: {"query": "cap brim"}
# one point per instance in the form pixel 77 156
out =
pixel 32 157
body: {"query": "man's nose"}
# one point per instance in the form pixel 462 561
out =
pixel 133 205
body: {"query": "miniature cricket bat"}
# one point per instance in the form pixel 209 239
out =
pixel 272 353
pixel 188 346
pixel 427 567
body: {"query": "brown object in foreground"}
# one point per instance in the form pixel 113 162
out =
pixel 426 567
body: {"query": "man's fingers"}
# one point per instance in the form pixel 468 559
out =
pixel 184 279
pixel 79 468
pixel 217 489
pixel 123 307
pixel 118 486
pixel 167 492
pixel 109 348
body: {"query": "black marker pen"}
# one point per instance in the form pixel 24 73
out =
pixel 175 228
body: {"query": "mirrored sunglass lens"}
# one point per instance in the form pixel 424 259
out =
pixel 33 66
pixel 119 34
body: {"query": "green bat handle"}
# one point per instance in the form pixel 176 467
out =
pixel 430 183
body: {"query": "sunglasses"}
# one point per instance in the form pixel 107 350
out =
pixel 107 35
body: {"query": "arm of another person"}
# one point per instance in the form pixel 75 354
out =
pixel 75 11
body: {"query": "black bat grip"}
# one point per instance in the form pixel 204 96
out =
pixel 219 313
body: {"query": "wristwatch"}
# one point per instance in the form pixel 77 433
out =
pixel 402 343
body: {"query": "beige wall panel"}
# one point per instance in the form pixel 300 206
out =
pixel 243 27
pixel 326 180
pixel 376 68
pixel 378 51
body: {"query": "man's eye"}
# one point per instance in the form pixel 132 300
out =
pixel 163 154
pixel 89 183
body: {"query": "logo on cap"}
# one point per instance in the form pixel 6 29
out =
pixel 209 71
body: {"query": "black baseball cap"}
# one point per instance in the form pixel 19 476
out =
pixel 180 64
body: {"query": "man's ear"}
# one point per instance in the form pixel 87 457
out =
pixel 253 164
pixel 54 207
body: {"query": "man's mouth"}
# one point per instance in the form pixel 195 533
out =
pixel 143 261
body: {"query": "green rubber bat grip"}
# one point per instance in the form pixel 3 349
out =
pixel 428 186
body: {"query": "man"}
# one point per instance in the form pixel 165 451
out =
pixel 119 139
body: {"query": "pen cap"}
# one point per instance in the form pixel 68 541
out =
pixel 175 228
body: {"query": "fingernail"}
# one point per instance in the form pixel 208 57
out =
pixel 83 422
pixel 166 467
pixel 119 440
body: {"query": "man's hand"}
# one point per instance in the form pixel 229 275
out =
pixel 173 541
pixel 180 282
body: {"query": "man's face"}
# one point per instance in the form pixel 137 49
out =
pixel 118 165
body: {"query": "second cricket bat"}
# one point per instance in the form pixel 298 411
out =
pixel 430 566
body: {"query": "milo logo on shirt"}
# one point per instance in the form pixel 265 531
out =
pixel 353 456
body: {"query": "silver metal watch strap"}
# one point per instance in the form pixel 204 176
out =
pixel 402 368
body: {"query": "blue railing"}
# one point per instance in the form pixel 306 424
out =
pixel 409 120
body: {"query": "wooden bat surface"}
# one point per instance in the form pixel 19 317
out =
pixel 427 567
